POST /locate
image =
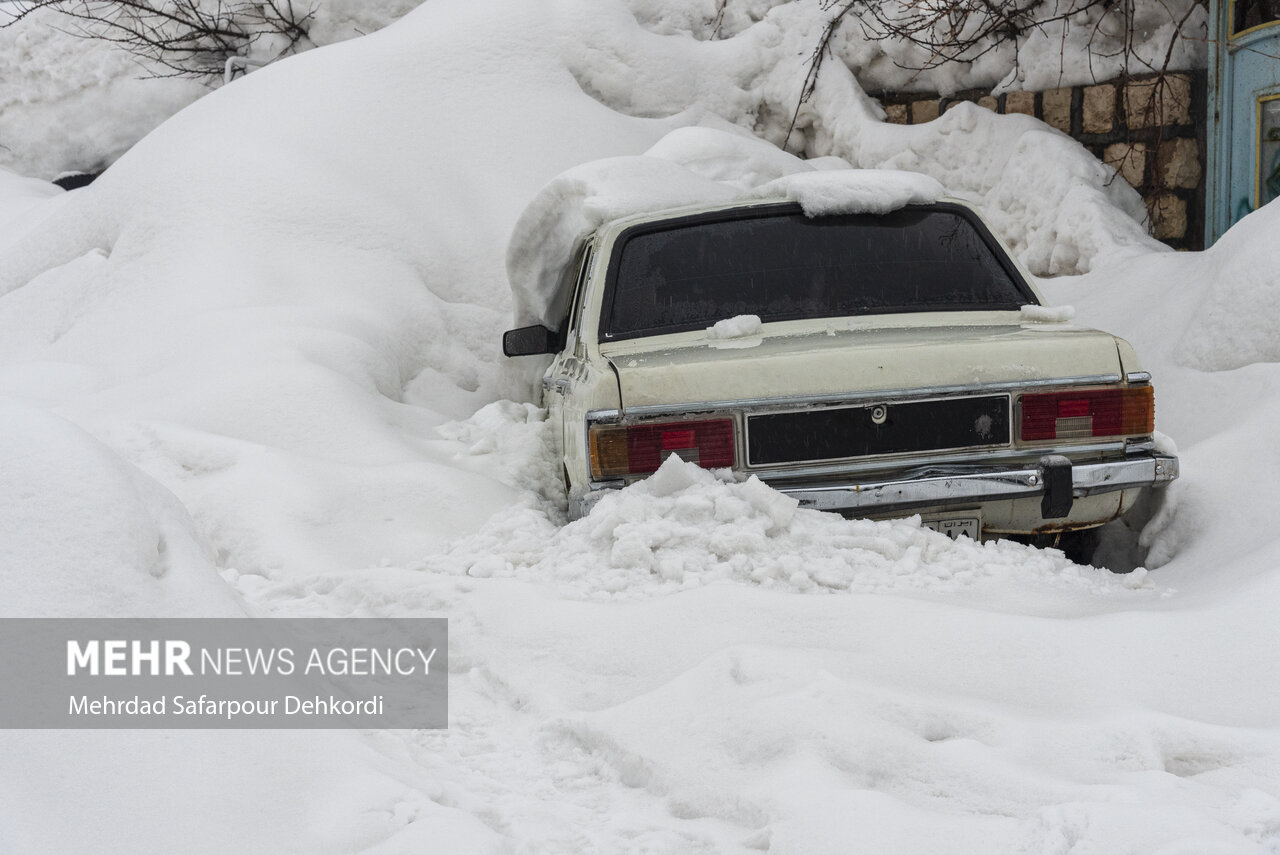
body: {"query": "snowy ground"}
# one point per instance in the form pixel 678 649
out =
pixel 254 370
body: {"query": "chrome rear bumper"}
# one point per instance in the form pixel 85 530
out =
pixel 942 487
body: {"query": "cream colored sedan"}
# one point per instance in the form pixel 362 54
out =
pixel 876 365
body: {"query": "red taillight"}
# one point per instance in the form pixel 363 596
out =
pixel 1084 413
pixel 618 450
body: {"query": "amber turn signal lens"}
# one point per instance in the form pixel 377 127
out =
pixel 620 450
pixel 1085 413
pixel 1138 412
pixel 608 447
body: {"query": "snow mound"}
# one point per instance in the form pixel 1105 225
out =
pixel 689 166
pixel 576 203
pixel 1053 54
pixel 1057 206
pixel 271 302
pixel 84 534
pixel 77 104
pixel 856 191
pixel 1240 311
pixel 1059 209
pixel 732 155
pixel 684 527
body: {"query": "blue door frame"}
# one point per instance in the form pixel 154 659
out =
pixel 1244 95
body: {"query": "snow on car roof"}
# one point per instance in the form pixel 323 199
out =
pixel 691 168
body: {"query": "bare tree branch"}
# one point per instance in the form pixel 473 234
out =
pixel 961 31
pixel 182 38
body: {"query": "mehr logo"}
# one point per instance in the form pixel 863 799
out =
pixel 119 658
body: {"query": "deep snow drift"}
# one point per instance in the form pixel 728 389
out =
pixel 69 103
pixel 254 369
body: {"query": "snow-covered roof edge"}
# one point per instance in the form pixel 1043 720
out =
pixel 690 166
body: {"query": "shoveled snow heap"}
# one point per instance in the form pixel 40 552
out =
pixel 688 167
pixel 683 527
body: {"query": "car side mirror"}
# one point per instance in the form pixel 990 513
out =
pixel 530 341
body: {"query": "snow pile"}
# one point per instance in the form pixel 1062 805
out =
pixel 1203 324
pixel 512 443
pixel 70 103
pixel 683 527
pixel 1047 314
pixel 859 191
pixel 77 104
pixel 231 373
pixel 1087 47
pixel 270 303
pixel 739 326
pixel 1240 310
pixel 338 20
pixel 1059 209
pixel 23 202
pixel 84 534
pixel 729 154
pixel 687 167
pixel 573 205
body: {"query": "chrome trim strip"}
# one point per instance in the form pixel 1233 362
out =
pixel 1138 378
pixel 961 459
pixel 794 401
pixel 944 489
pixel 869 402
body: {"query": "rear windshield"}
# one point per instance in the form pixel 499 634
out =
pixel 786 266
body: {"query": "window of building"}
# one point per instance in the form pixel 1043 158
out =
pixel 1247 14
pixel 1268 149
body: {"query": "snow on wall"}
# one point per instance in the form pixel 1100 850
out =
pixel 1052 55
pixel 1060 209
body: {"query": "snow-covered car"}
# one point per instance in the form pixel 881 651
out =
pixel 875 364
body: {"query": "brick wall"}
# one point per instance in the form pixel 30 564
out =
pixel 1150 131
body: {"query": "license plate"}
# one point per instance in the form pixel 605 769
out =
pixel 953 527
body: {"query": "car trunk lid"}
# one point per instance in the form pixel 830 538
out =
pixel 855 360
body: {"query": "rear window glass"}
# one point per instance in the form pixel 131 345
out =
pixel 785 266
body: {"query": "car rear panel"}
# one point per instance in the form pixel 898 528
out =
pixel 841 433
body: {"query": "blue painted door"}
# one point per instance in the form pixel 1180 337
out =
pixel 1244 93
